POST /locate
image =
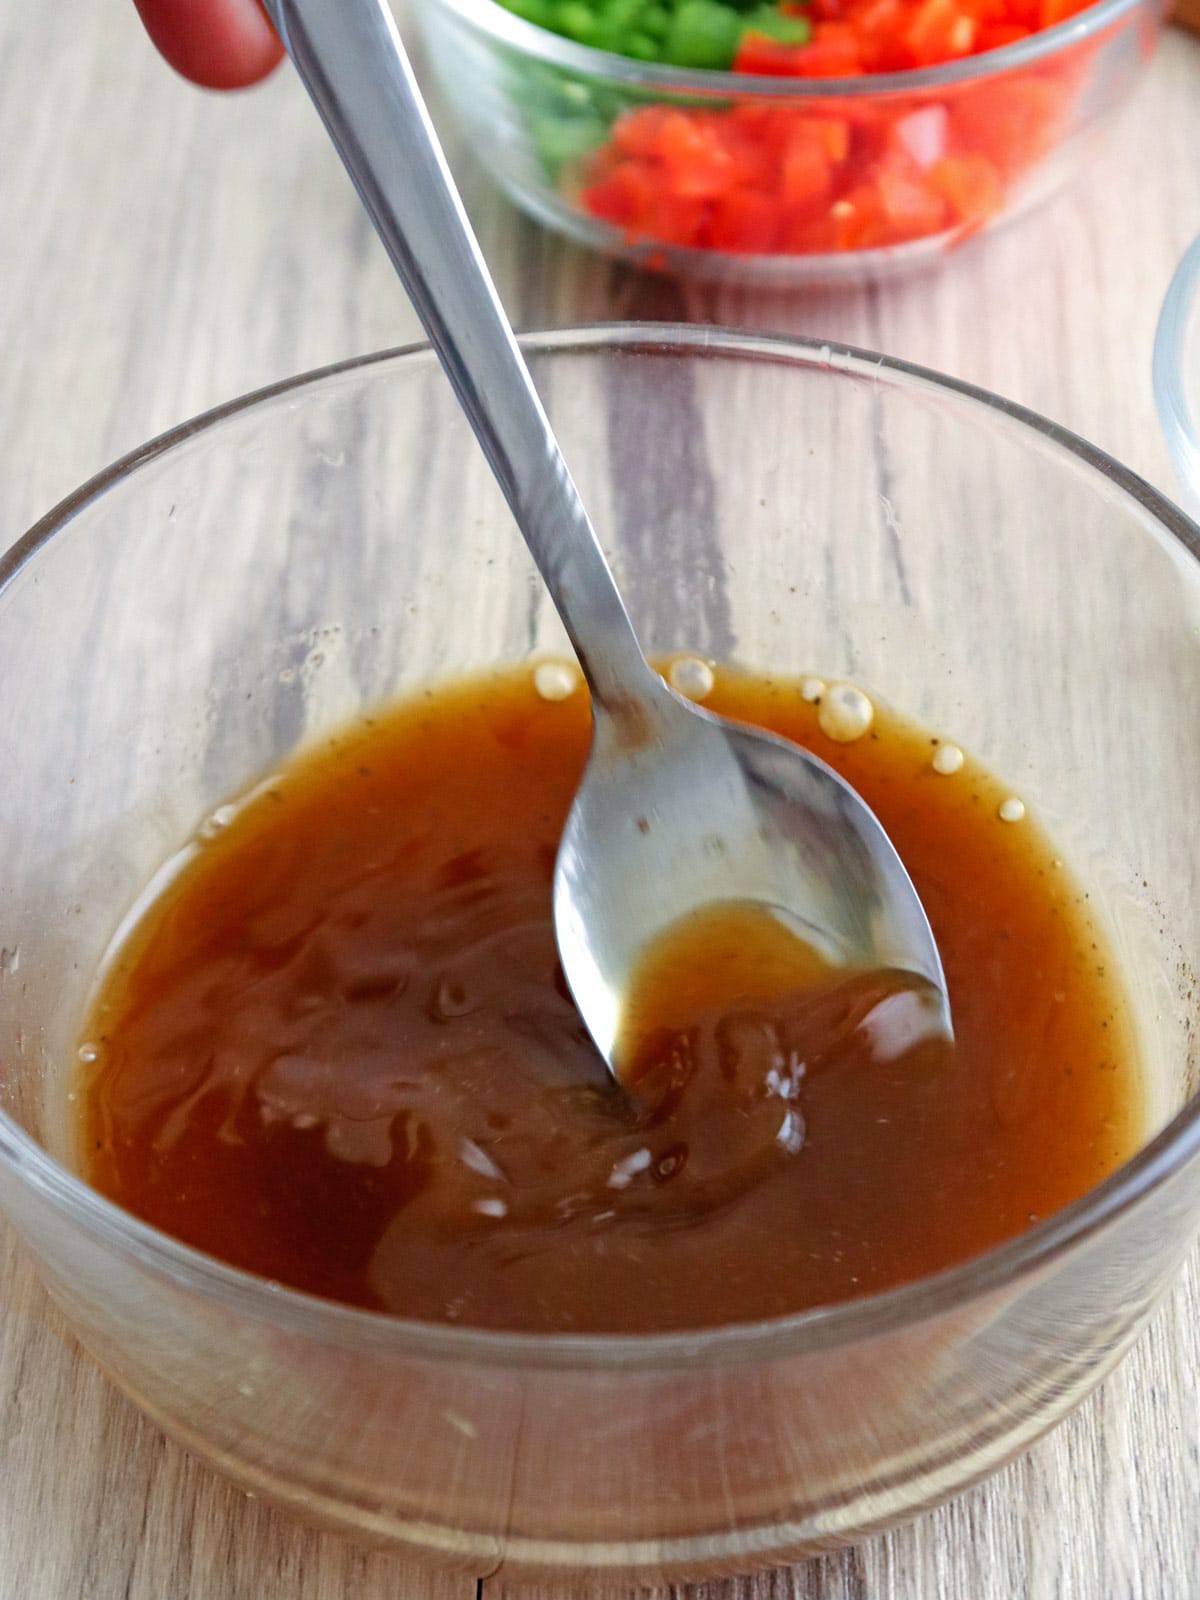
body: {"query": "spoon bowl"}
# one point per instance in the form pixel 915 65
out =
pixel 680 810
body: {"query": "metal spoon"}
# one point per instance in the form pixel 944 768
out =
pixel 678 809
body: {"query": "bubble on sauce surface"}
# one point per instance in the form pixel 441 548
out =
pixel 555 680
pixel 670 1163
pixel 691 677
pixel 450 1000
pixel 845 713
pixel 947 760
pixel 811 689
pixel 1011 809
pixel 217 822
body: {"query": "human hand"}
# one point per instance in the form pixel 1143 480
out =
pixel 222 44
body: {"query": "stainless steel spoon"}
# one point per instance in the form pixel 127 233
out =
pixel 678 809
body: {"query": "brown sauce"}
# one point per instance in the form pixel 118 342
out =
pixel 338 1050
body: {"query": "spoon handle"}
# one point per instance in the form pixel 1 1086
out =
pixel 350 58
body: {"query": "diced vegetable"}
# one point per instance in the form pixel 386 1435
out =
pixel 703 33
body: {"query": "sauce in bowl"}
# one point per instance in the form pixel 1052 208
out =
pixel 338 1049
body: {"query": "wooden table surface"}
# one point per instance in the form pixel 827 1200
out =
pixel 161 250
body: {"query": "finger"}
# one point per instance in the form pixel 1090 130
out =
pixel 222 44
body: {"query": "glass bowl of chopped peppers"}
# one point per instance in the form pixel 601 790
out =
pixel 782 141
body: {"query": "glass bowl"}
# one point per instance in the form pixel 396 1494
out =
pixel 1177 373
pixel 260 575
pixel 829 179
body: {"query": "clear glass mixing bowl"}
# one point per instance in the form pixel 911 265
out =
pixel 262 574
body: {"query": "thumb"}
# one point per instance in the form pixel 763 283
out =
pixel 221 44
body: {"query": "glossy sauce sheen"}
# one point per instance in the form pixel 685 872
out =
pixel 338 1050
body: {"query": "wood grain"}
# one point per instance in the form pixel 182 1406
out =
pixel 161 250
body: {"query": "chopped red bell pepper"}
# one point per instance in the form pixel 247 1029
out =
pixel 767 176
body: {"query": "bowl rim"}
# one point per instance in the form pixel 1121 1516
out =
pixel 362 1331
pixel 502 26
pixel 1179 421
